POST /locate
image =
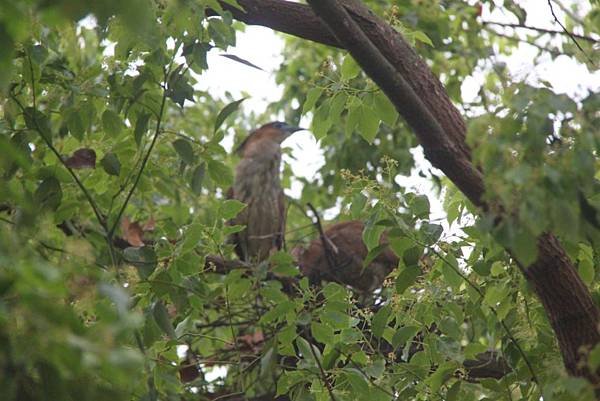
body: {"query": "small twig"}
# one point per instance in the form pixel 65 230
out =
pixel 568 12
pixel 329 247
pixel 219 323
pixel 543 30
pixel 517 39
pixel 323 374
pixel 571 35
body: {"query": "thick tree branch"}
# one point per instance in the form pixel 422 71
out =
pixel 439 148
pixel 283 16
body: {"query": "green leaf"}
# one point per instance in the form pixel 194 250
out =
pixel 406 277
pixel 586 271
pixel 430 233
pixel 524 247
pixel 141 127
pixel 330 357
pixel 371 234
pixel 422 37
pixel 184 150
pixel 198 178
pixel 220 173
pixel 497 268
pixel 195 55
pixel 192 237
pixel 359 384
pixel 111 164
pixel 419 205
pixel 335 319
pixel 48 194
pixel 453 392
pixel 226 112
pixel 403 334
pixel 400 244
pixel 337 104
pixel 143 258
pixel 368 123
pixel 376 369
pixel 349 69
pixel 37 121
pixel 231 207
pixel 385 109
pixel 75 124
pixel 482 268
pixel 321 123
pixel 321 332
pixel 283 264
pixel 161 317
pixel 373 253
pixel 278 312
pixel 354 106
pixel 594 358
pixel 358 204
pixel 379 321
pixel 411 256
pixel 305 349
pixel 233 3
pixel 495 294
pixel 111 122
pixel 239 288
pixel 178 88
pixel 450 269
pixel 311 99
pixel 440 376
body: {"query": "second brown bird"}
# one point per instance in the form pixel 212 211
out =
pixel 341 260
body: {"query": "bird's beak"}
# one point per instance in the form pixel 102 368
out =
pixel 290 129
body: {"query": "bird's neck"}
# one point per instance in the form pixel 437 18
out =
pixel 259 173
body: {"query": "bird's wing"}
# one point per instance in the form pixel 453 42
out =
pixel 280 238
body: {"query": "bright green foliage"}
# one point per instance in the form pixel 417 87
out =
pixel 106 146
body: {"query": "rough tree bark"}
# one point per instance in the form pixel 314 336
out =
pixel 404 76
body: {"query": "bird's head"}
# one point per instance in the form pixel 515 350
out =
pixel 278 131
pixel 274 132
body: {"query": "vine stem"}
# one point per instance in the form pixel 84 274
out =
pixel 144 162
pixel 167 71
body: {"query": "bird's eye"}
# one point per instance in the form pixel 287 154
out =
pixel 278 125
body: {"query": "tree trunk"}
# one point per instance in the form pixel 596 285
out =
pixel 405 77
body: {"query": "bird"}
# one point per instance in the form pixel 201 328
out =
pixel 258 184
pixel 341 259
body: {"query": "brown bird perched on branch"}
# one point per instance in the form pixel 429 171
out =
pixel 341 258
pixel 258 185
